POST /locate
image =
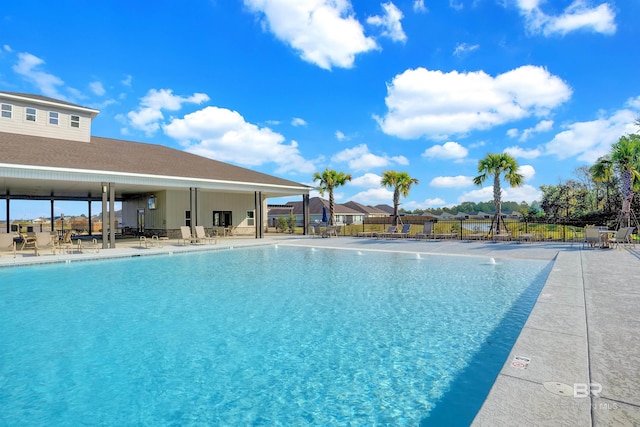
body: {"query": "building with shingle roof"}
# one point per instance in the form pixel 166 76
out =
pixel 47 152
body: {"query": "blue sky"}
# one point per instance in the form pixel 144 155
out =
pixel 291 87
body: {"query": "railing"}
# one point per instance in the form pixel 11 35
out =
pixel 467 229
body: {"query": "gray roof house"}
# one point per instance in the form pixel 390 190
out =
pixel 48 153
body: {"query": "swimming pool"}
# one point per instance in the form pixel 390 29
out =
pixel 259 336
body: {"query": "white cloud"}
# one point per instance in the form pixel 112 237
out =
pixel 128 79
pixel 459 181
pixel 448 150
pixel 296 121
pixel 97 88
pixel 543 126
pixel 28 67
pixel 463 49
pixel 527 171
pixel 577 16
pixel 390 22
pixel 422 102
pixel 340 136
pixel 524 153
pixel 427 203
pixel 149 113
pixel 456 5
pixel 419 7
pixel 360 158
pixel 368 180
pixel 590 140
pixel 374 196
pixel 224 135
pixel 513 132
pixel 324 32
pixel 7 48
pixel 634 103
pixel 526 193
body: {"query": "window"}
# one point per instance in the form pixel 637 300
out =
pixel 250 218
pixel 53 118
pixel 222 218
pixel 7 110
pixel 75 121
pixel 30 114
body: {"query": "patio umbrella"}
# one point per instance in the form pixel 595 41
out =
pixel 324 214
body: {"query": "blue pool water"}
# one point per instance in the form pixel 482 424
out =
pixel 258 336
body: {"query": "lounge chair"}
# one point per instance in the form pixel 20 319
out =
pixel 406 228
pixel 526 237
pixel 501 235
pixel 186 237
pixel 450 235
pixel 383 235
pixel 7 243
pixel 65 244
pixel 30 241
pixel 427 231
pixel 43 240
pixel 202 236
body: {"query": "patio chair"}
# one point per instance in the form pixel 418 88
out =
pixel 185 235
pixel 30 241
pixel 591 237
pixel 427 231
pixel 406 228
pixel 384 234
pixel 623 236
pixel 202 236
pixel 7 243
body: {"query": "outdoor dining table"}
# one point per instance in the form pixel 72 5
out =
pixel 604 237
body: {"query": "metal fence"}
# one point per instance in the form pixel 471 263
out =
pixel 476 229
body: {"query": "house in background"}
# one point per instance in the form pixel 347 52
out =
pixel 368 211
pixel 48 153
pixel 343 215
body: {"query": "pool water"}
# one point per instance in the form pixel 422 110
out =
pixel 258 336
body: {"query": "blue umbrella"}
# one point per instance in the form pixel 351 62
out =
pixel 324 214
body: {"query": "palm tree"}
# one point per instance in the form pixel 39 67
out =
pixel 496 165
pixel 602 172
pixel 328 181
pixel 625 156
pixel 401 183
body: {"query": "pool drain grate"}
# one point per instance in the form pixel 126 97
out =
pixel 559 389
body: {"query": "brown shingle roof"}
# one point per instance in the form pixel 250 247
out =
pixel 104 154
pixel 43 98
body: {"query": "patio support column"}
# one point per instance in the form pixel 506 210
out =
pixel 8 199
pixel 52 217
pixel 105 219
pixel 90 227
pixel 112 214
pixel 305 214
pixel 259 216
pixel 193 207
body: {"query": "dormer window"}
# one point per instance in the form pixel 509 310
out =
pixel 7 111
pixel 54 118
pixel 30 115
pixel 75 121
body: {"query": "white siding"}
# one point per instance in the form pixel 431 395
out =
pixel 41 127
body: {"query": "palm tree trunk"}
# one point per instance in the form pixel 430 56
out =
pixel 396 203
pixel 331 207
pixel 497 195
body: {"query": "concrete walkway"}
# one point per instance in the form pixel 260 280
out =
pixel 577 359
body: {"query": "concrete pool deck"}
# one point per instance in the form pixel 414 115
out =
pixel 581 335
